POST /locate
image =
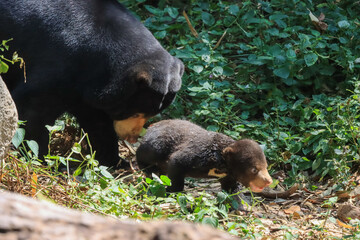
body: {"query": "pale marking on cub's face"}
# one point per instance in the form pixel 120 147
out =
pixel 262 180
pixel 214 172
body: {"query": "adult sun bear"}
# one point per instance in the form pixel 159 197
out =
pixel 90 58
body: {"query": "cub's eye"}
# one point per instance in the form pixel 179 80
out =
pixel 254 170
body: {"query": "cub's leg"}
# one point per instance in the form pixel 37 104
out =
pixel 177 170
pixel 148 160
pixel 230 185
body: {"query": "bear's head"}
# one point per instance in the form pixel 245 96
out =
pixel 152 86
pixel 246 162
pixel 144 77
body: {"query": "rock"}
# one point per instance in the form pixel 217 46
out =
pixel 8 119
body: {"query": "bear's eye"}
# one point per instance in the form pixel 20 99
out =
pixel 254 170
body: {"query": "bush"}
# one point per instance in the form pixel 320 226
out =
pixel 276 71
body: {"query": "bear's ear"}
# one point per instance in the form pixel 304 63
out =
pixel 143 77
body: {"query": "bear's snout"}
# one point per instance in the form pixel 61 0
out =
pixel 262 180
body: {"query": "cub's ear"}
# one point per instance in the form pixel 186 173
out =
pixel 227 151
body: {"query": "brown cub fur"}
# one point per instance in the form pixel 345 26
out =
pixel 180 148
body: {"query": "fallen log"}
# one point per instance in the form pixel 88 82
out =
pixel 26 218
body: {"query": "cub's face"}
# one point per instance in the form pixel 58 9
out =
pixel 247 163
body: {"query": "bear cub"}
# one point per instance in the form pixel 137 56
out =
pixel 180 149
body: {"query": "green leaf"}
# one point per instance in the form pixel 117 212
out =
pixel 281 23
pixel 184 54
pixel 279 60
pixel 212 128
pixel 210 221
pixel 296 148
pixel 105 173
pixel 343 24
pixel 289 81
pixel 228 71
pixel 3 67
pixel 103 183
pixel 275 50
pixel 173 12
pixel 218 71
pixel 278 17
pixel 283 72
pixel 58 126
pixel 154 10
pixel 274 183
pixel 343 40
pixel 166 181
pixel 221 197
pixel 160 35
pixel 327 70
pixel 290 54
pixel 197 68
pixel 63 161
pixel 310 59
pixel 5 43
pixel 34 147
pixel 156 178
pixel 207 18
pixel 338 151
pixel 234 10
pixel 316 163
pixel 158 190
pixel 182 200
pixel 77 172
pixel 245 115
pixel 76 148
pixel 273 31
pixel 18 137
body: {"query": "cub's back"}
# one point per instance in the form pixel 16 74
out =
pixel 168 134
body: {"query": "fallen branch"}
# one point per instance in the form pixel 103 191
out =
pixel 192 29
pixel 270 193
pixel 26 218
pixel 221 38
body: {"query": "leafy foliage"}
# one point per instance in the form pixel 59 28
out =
pixel 276 71
pixel 285 73
pixel 97 190
pixel 4 67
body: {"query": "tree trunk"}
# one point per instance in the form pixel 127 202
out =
pixel 25 218
pixel 8 119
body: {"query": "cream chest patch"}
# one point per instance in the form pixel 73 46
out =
pixel 214 172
